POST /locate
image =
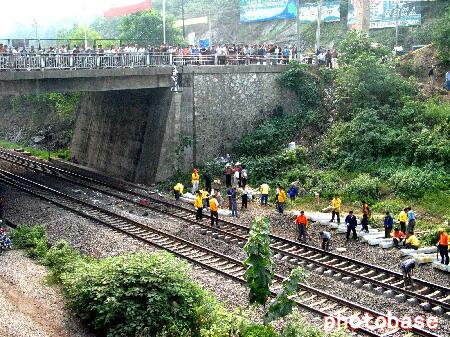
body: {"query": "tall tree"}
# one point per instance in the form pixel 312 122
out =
pixel 148 26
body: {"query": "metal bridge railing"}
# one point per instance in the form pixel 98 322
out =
pixel 19 62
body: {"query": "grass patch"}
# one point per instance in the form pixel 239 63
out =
pixel 42 154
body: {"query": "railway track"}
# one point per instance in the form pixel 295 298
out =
pixel 381 281
pixel 308 298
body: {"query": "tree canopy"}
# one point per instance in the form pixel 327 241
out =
pixel 148 26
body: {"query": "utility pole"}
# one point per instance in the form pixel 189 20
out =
pixel 164 21
pixel 182 18
pixel 363 17
pixel 397 16
pixel 319 20
pixel 298 29
pixel 209 28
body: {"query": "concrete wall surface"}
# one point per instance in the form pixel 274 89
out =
pixel 147 135
pixel 37 82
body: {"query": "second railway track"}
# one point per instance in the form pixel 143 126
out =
pixel 308 298
pixel 381 281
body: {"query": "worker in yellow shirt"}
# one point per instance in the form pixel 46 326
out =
pixel 412 242
pixel 205 198
pixel 281 199
pixel 264 189
pixel 336 204
pixel 178 191
pixel 198 204
pixel 403 219
pixel 195 180
pixel 214 210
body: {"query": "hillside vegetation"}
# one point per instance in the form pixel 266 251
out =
pixel 365 132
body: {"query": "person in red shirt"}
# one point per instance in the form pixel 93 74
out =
pixel 443 246
pixel 397 236
pixel 302 223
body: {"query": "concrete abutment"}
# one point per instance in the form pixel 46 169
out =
pixel 146 135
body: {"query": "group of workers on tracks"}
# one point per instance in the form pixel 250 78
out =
pixel 236 180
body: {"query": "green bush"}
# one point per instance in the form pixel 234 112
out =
pixel 327 183
pixel 363 187
pixel 257 330
pixel 32 239
pixel 441 38
pixel 127 295
pixel 269 137
pixel 307 85
pixel 389 205
pixel 411 183
pixel 297 327
pixel 430 238
pixel 60 258
pixel 259 262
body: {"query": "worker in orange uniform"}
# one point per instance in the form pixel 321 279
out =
pixel 281 199
pixel 195 181
pixel 443 246
pixel 214 210
pixel 302 224
pixel 198 204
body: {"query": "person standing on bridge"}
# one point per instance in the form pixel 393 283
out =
pixel 198 204
pixel 195 181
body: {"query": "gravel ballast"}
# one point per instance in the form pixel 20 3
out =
pixel 98 241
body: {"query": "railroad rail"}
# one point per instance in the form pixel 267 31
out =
pixel 381 281
pixel 308 298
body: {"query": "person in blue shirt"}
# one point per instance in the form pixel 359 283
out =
pixel 351 222
pixel 292 192
pixel 411 220
pixel 388 224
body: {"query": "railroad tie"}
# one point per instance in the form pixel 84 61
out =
pixel 316 304
pixel 357 271
pixel 423 290
pixel 435 294
pixel 309 298
pixel 370 272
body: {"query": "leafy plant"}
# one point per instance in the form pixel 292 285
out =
pixel 281 305
pixel 259 261
pixel 129 294
pixel 257 330
pixel 32 239
pixel 441 38
pixel 363 187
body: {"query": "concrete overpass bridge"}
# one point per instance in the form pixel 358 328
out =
pixel 132 125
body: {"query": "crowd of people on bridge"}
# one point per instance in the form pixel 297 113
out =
pixel 220 54
pixel 208 196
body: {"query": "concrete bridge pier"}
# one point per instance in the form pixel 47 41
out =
pixel 130 133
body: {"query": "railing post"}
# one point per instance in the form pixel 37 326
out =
pixel 216 59
pixel 171 59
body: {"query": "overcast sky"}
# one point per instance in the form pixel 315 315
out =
pixel 24 12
